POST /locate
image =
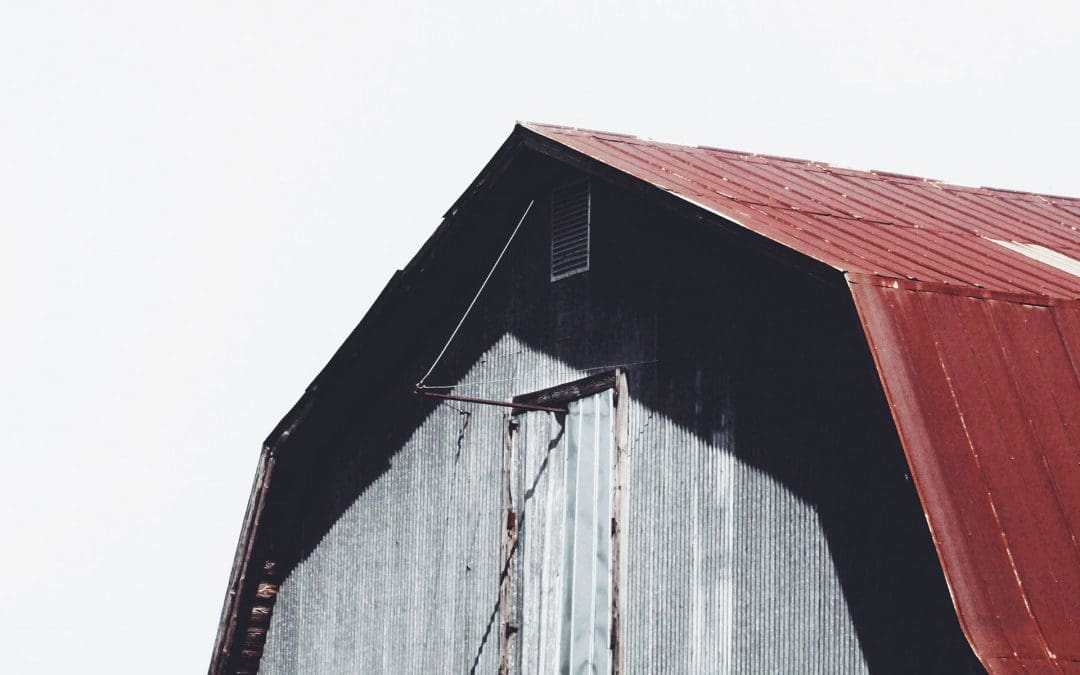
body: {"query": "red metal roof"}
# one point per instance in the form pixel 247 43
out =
pixel 860 221
pixel 968 300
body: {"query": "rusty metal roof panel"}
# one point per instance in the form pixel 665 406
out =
pixel 986 397
pixel 936 232
pixel 968 299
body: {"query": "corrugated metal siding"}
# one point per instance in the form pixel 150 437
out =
pixel 407 579
pixel 859 221
pixel 562 575
pixel 542 551
pixel 986 396
pixel 729 571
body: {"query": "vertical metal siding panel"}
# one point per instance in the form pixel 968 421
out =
pixel 570 542
pixel 725 596
pixel 728 571
pixel 604 448
pixel 791 613
pixel 586 599
pixel 364 600
pixel 542 542
pixel 736 564
pixel 554 546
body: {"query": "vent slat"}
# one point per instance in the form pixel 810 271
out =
pixel 567 231
pixel 572 220
pixel 566 209
pixel 571 215
pixel 580 244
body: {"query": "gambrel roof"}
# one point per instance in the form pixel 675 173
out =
pixel 968 298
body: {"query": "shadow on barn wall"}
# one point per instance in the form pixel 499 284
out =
pixel 727 333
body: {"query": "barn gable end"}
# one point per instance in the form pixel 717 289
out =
pixel 722 283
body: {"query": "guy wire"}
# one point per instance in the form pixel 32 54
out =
pixel 420 384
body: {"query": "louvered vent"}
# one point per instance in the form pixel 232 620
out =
pixel 571 208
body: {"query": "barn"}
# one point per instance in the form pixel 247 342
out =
pixel 701 411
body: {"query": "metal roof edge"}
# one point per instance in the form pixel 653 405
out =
pixel 494 166
pixel 916 478
pixel 881 174
pixel 771 247
pixel 240 577
pixel 736 221
pixel 913 343
pixel 956 289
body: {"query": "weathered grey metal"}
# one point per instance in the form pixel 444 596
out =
pixel 727 570
pixel 586 603
pixel 543 503
pixel 407 579
pixel 564 577
pixel 764 522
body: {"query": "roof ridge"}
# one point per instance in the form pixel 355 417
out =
pixel 741 155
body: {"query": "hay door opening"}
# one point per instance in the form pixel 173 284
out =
pixel 563 497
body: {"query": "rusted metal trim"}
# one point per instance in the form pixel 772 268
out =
pixel 242 575
pixel 485 401
pixel 508 616
pixel 564 393
pixel 968 626
pixel 953 289
pixel 230 618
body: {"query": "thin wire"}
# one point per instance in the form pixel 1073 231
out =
pixel 420 384
pixel 538 376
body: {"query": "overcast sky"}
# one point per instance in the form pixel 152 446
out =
pixel 198 201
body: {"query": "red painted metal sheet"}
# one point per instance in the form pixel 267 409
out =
pixel 986 397
pixel 978 349
pixel 859 221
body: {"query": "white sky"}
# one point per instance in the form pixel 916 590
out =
pixel 198 200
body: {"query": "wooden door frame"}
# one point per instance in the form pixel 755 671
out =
pixel 562 395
